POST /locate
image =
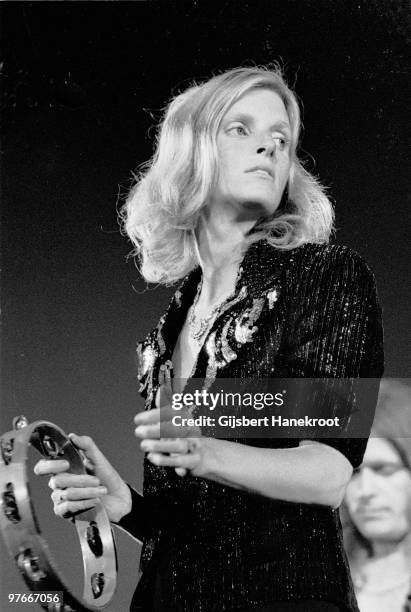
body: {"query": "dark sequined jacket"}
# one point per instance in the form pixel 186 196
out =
pixel 308 312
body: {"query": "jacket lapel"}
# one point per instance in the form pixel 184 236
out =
pixel 255 284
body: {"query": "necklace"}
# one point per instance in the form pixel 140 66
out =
pixel 199 326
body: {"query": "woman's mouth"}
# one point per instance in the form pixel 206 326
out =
pixel 261 172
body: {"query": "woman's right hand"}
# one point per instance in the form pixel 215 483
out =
pixel 73 493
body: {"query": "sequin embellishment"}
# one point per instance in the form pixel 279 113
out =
pixel 160 339
pixel 244 326
pixel 241 329
pixel 226 351
pixel 146 359
pixel 272 297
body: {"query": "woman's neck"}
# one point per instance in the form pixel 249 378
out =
pixel 221 241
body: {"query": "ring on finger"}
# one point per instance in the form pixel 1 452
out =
pixel 191 445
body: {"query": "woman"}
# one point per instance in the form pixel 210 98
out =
pixel 378 501
pixel 227 206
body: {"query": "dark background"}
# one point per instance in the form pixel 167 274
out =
pixel 82 84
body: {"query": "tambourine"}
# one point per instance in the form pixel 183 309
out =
pixel 21 530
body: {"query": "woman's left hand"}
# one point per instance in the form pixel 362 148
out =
pixel 154 428
pixel 183 454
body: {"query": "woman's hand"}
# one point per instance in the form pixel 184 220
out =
pixel 73 493
pixel 154 428
pixel 183 454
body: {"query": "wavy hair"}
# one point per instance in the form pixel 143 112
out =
pixel 163 206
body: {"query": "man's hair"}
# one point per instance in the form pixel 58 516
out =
pixel 164 204
pixel 392 423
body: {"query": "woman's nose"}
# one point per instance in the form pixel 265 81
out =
pixel 267 146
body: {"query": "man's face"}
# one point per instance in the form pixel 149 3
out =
pixel 378 496
pixel 253 144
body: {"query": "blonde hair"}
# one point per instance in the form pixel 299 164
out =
pixel 163 206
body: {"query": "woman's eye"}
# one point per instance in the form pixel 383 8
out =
pixel 238 130
pixel 281 142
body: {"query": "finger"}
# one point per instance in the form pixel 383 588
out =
pixel 169 381
pixel 75 494
pixel 85 444
pixel 156 415
pixel 93 458
pixel 189 461
pixel 148 416
pixel 65 480
pixel 159 430
pixel 180 431
pixel 161 376
pixel 164 445
pixel 147 431
pixel 166 430
pixel 181 471
pixel 164 396
pixel 55 466
pixel 68 509
pixel 165 373
pixel 89 465
pixel 169 367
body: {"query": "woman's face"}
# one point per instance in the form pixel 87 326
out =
pixel 378 496
pixel 253 144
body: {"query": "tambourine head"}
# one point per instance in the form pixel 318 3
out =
pixel 21 531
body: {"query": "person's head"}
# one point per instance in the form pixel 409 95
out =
pixel 254 151
pixel 211 137
pixel 378 497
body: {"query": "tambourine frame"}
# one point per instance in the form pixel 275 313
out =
pixel 21 530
